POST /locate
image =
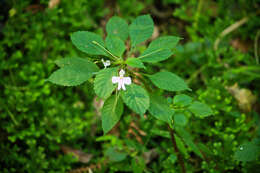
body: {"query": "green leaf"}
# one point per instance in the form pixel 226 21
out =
pixel 83 40
pixel 135 62
pixel 77 62
pixel 205 149
pixel 168 81
pixel 115 45
pixel 188 140
pixel 114 155
pixel 161 133
pixel 165 42
pixel 181 145
pixel 138 164
pixel 200 109
pixel 172 158
pixel 110 138
pixel 154 54
pixel 159 49
pixel 159 108
pixel 247 152
pixel 141 29
pixel 180 119
pixel 111 112
pixel 103 85
pixel 116 26
pixel 74 74
pixel 136 98
pixel 182 100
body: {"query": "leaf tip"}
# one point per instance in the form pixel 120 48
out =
pixel 189 89
pixel 46 80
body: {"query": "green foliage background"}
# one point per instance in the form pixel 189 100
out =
pixel 37 118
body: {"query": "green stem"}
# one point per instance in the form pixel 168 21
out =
pixel 147 75
pixel 149 134
pixel 179 156
pixel 131 51
pixel 256 47
pixel 196 73
pixel 197 15
pixel 113 56
pixel 11 115
pixel 119 62
pixel 12 77
pixel 114 106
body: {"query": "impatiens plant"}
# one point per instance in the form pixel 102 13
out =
pixel 121 77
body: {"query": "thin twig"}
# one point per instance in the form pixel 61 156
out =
pixel 256 46
pixel 229 30
pixel 179 156
pixel 196 73
pixel 11 115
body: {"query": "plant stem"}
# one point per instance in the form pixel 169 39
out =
pixel 196 73
pixel 179 156
pixel 11 115
pixel 129 53
pixel 228 30
pixel 197 15
pixel 256 46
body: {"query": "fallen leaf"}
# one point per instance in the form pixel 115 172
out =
pixel 156 32
pixel 78 105
pixel 150 155
pixel 53 3
pixel 82 156
pixel 136 132
pixel 241 45
pixel 35 8
pixel 244 96
pixel 141 132
pixel 87 169
pixel 98 104
pixel 131 132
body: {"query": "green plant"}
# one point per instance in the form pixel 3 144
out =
pixel 74 71
pixel 41 123
pixel 34 123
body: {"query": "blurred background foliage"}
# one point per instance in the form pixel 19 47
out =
pixel 48 128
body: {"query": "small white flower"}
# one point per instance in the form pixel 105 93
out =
pixel 121 80
pixel 106 63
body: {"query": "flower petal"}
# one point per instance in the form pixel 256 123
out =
pixel 115 79
pixel 107 63
pixel 119 85
pixel 127 80
pixel 123 86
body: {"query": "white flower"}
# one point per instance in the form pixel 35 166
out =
pixel 121 80
pixel 106 63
